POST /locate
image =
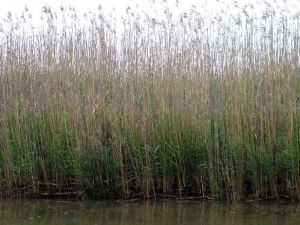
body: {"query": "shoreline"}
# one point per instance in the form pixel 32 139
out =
pixel 94 195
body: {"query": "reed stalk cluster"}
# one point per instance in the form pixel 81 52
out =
pixel 185 106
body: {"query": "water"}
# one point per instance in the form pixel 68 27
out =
pixel 46 212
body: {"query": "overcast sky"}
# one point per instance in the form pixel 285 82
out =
pixel 83 6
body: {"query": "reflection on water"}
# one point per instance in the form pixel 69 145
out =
pixel 17 212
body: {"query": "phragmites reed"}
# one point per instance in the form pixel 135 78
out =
pixel 184 106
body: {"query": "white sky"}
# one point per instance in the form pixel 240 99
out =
pixel 83 6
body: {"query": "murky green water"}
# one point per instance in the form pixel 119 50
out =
pixel 55 212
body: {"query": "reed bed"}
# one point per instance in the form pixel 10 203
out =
pixel 185 106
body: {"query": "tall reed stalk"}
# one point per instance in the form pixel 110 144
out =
pixel 183 106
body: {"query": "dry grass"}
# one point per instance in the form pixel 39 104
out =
pixel 161 109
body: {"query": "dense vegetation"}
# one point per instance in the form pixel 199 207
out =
pixel 186 106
